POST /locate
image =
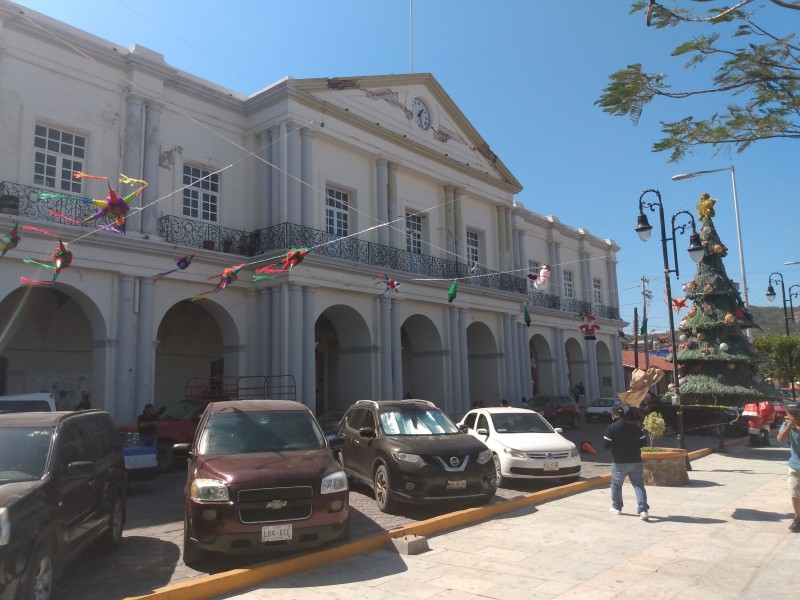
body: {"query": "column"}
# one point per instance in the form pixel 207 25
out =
pixel 450 222
pixel 264 338
pixel 397 351
pixel 611 277
pixel 592 376
pixel 385 350
pixel 253 346
pixel 464 402
pixel 122 404
pixel 524 361
pixel 520 263
pixel 456 391
pixel 501 238
pixel 294 336
pixel 508 360
pixel 277 347
pixel 618 371
pixel 458 226
pixel 382 198
pixel 145 347
pixel 276 178
pixel 309 360
pixel 132 153
pixel 152 152
pixel 586 277
pixel 398 226
pixel 554 250
pixel 560 358
pixel 293 155
pixel 307 176
pixel 509 239
pixel 265 179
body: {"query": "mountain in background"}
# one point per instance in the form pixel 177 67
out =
pixel 770 319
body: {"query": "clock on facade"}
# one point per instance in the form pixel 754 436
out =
pixel 420 114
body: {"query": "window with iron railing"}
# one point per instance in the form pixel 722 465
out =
pixel 598 291
pixel 200 194
pixel 569 291
pixel 57 156
pixel 337 212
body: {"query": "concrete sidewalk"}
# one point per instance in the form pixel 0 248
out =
pixel 723 536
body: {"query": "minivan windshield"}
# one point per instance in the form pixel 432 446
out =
pixel 23 453
pixel 416 421
pixel 248 432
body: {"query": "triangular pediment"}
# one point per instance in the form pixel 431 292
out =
pixel 393 103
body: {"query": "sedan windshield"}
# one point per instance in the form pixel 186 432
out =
pixel 527 422
pixel 416 422
pixel 180 411
pixel 23 453
pixel 248 432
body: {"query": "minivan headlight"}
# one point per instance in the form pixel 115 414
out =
pixel 5 526
pixel 411 459
pixel 515 453
pixel 209 490
pixel 574 451
pixel 335 482
pixel 484 457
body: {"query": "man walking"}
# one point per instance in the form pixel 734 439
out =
pixel 791 429
pixel 625 439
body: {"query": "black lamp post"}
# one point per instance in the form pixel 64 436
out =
pixel 787 316
pixel 696 251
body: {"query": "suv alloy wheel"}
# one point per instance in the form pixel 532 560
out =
pixel 382 497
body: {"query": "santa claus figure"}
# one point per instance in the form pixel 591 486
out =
pixel 759 419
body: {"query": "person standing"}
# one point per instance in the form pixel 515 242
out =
pixel 625 439
pixel 791 429
pixel 147 422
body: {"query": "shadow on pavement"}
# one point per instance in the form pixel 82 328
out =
pixel 751 514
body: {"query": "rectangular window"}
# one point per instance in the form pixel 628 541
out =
pixel 57 155
pixel 414 234
pixel 473 256
pixel 568 290
pixel 533 269
pixel 337 208
pixel 200 194
pixel 598 292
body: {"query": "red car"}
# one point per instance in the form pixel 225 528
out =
pixel 558 410
pixel 261 478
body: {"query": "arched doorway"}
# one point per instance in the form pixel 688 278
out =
pixel 423 360
pixel 542 366
pixel 483 365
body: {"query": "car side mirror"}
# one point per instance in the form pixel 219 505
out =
pixel 463 428
pixel 337 443
pixel 367 432
pixel 559 430
pixel 182 450
pixel 80 469
pixel 482 431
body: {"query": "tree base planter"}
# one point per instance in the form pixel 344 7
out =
pixel 667 467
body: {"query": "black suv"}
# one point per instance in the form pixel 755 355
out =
pixel 410 451
pixel 62 488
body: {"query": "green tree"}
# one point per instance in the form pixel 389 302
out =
pixel 757 76
pixel 717 364
pixel 784 355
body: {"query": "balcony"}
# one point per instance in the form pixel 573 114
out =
pixel 22 200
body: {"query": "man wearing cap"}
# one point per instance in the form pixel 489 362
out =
pixel 791 429
pixel 625 439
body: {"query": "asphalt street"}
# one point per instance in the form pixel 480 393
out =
pixel 150 554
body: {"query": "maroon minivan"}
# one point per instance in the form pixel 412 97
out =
pixel 261 478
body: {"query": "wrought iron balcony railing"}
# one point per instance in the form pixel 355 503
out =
pixel 27 201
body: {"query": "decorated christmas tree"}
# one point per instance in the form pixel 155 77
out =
pixel 716 361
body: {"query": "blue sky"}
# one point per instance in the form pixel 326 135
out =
pixel 526 73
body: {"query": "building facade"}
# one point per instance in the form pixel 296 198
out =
pixel 381 179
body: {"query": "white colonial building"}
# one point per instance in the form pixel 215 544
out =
pixel 379 175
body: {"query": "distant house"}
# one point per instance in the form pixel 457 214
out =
pixel 629 361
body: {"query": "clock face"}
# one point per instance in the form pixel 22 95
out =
pixel 420 114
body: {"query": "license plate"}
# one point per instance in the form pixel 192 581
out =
pixel 274 533
pixel 458 484
pixel 550 465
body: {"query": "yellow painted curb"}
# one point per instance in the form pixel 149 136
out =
pixel 210 586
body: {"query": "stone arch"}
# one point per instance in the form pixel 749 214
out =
pixel 423 360
pixel 543 375
pixel 605 370
pixel 576 364
pixel 483 364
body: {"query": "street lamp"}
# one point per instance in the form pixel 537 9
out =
pixel 786 316
pixel 696 251
pixel 736 212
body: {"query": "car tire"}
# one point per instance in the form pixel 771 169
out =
pixel 112 536
pixel 164 456
pixel 576 421
pixel 40 573
pixel 382 490
pixel 192 555
pixel 498 470
pixel 763 437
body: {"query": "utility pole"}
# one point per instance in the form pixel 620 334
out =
pixel 635 338
pixel 646 296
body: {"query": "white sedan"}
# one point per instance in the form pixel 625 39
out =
pixel 524 444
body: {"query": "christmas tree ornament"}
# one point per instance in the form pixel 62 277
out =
pixel 708 288
pixel 682 337
pixel 731 366
pixel 701 335
pixel 723 347
pixel 728 318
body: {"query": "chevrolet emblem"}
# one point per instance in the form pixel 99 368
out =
pixel 276 504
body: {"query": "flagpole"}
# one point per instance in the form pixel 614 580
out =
pixel 644 323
